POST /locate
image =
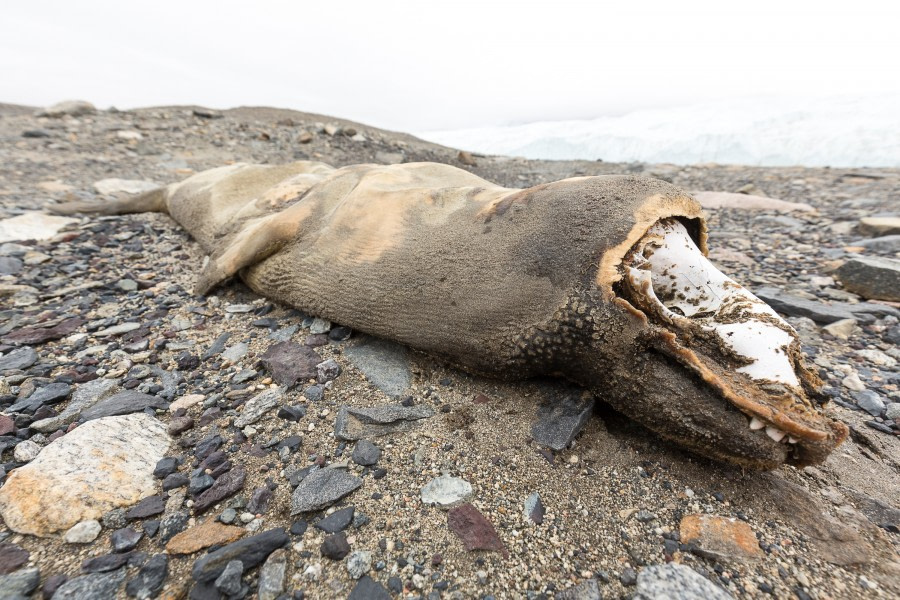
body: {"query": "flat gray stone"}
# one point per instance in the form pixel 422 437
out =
pixel 446 491
pixel 21 358
pixel 101 465
pixel 385 364
pixel 676 582
pixel 118 329
pixel 562 418
pixel 819 312
pixel 93 586
pixel 869 401
pixel 123 403
pixel 258 406
pixel 357 423
pixel 872 277
pixel 271 575
pixel 586 590
pixel 19 584
pixel 84 396
pixel 236 352
pixel 888 244
pixel 321 489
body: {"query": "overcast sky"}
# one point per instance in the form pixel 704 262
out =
pixel 419 65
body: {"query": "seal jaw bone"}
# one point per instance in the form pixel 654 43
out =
pixel 734 341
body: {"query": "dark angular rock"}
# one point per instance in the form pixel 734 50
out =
pixel 123 540
pixel 322 488
pixel 149 580
pixel 339 334
pixel 368 589
pixel 872 277
pixel 21 358
pixel 475 531
pixel 337 521
pixel 366 453
pixel 314 393
pixel 39 335
pixel 208 445
pixel 165 467
pixel 229 582
pixel 534 508
pixel 292 413
pixel 149 506
pixel 200 484
pixel 335 546
pixel 171 525
pixel 19 584
pixel 10 265
pixel 123 403
pixel 299 527
pixel 562 418
pixel 327 371
pixel 250 551
pixel 174 481
pixel 226 485
pixel 357 423
pixel 52 584
pixel 94 585
pixel 216 347
pixel 289 362
pixel 259 500
pixel 105 563
pixel 12 557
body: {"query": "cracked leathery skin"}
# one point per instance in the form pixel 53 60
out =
pixel 502 282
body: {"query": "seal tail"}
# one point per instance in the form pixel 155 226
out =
pixel 150 201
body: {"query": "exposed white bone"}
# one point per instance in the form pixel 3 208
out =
pixel 689 283
pixel 775 433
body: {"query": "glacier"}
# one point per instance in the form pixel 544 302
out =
pixel 846 131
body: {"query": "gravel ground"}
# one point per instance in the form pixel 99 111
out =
pixel 614 502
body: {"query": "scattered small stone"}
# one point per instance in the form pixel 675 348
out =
pixel 149 580
pixel 534 508
pixel 104 563
pixel 20 584
pixel 84 532
pixel 149 506
pixel 125 539
pixel 359 563
pixel 446 491
pixel 337 521
pixel 322 488
pixel 11 557
pixel 586 590
pixel 250 551
pixel 258 406
pixel 357 423
pixel 327 371
pixel 872 277
pixel 335 546
pixel 94 585
pixel 385 364
pixel 225 486
pixel 474 530
pixel 676 582
pixel 721 538
pixel 369 589
pixel 205 535
pixel 365 453
pixel 271 576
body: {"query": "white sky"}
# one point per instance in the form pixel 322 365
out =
pixel 417 65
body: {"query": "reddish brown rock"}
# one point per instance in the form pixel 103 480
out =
pixel 720 537
pixel 7 425
pixel 210 533
pixel 39 335
pixel 475 531
pixel 11 558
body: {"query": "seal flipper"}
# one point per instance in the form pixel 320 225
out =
pixel 256 241
pixel 150 201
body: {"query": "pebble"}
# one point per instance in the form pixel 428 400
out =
pixel 365 453
pixel 84 532
pixel 562 418
pixel 289 363
pixel 272 575
pixel 369 589
pixel 359 563
pixel 225 486
pixel 319 326
pixel 337 521
pixel 385 364
pixel 26 451
pixel 446 491
pixel 250 551
pixel 125 539
pixel 335 546
pixel 676 582
pixel 586 590
pixel 94 585
pixel 475 531
pixel 20 584
pixel 150 578
pixel 869 401
pixel 21 358
pixel 229 582
pixel 534 508
pixel 721 538
pixel 321 489
pixel 258 406
pixel 872 277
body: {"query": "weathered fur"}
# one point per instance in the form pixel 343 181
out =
pixel 505 282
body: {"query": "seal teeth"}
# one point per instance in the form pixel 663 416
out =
pixel 792 440
pixel 774 433
pixel 755 424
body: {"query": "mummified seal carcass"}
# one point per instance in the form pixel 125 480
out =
pixel 602 280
